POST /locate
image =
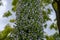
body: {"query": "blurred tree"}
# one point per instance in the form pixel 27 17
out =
pixel 6 32
pixel 30 16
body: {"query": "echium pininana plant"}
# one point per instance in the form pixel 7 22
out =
pixel 29 20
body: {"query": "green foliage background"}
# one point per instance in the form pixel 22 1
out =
pixel 21 19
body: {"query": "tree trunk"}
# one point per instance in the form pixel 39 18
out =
pixel 58 15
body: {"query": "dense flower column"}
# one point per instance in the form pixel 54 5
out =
pixel 29 20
